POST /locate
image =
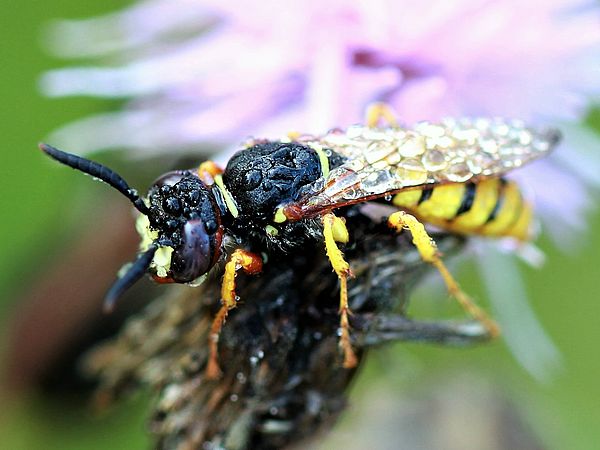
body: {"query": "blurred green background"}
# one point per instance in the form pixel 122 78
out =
pixel 35 200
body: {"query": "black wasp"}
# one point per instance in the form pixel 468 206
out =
pixel 277 197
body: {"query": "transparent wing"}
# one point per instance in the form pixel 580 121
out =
pixel 382 161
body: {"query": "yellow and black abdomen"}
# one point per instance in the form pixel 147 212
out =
pixel 489 207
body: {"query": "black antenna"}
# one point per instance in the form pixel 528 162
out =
pixel 136 271
pixel 98 171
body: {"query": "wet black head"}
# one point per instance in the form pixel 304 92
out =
pixel 181 225
pixel 184 213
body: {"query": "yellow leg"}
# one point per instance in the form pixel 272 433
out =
pixel 429 252
pixel 249 263
pixel 208 170
pixel 378 111
pixel 293 135
pixel 334 230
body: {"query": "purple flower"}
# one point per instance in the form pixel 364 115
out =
pixel 210 70
pixel 213 72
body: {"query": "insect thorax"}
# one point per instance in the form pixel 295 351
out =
pixel 265 176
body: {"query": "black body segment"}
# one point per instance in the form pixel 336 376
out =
pixel 468 197
pixel 262 177
pixel 425 195
pixel 499 201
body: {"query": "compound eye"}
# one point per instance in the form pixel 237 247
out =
pixel 253 179
pixel 193 257
pixel 169 179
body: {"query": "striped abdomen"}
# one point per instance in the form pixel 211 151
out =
pixel 490 207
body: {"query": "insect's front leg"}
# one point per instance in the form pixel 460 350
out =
pixel 249 263
pixel 208 170
pixel 429 252
pixel 334 230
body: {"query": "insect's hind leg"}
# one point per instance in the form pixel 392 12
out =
pixel 385 327
pixel 429 252
pixel 334 230
pixel 249 263
pixel 379 111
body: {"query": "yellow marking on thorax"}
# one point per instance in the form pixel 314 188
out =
pixel 271 230
pixel 322 159
pixel 279 216
pixel 231 206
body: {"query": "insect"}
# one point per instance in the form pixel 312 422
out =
pixel 278 197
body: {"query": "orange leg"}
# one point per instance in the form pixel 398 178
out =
pixel 208 170
pixel 249 263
